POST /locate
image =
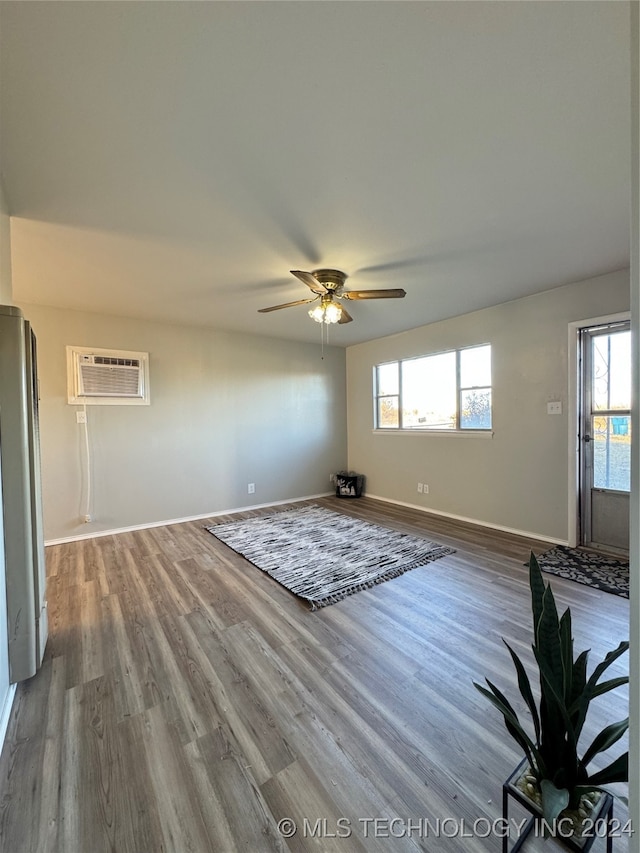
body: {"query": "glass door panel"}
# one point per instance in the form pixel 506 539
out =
pixel 605 433
pixel 611 436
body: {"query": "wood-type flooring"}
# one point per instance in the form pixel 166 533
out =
pixel 189 704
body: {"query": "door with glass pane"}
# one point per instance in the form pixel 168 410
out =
pixel 605 437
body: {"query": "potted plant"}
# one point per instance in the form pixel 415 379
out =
pixel 562 776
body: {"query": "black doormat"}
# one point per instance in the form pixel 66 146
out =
pixel 587 567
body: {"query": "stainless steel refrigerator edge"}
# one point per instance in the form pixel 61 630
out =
pixel 22 495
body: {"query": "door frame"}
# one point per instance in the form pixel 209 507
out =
pixel 573 417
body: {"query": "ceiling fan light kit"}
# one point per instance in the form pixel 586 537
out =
pixel 327 312
pixel 328 286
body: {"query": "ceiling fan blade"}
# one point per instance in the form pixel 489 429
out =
pixel 285 305
pixel 390 293
pixel 310 281
pixel 345 317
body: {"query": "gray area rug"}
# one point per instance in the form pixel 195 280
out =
pixel 323 556
pixel 587 567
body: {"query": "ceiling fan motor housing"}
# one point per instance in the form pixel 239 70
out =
pixel 331 279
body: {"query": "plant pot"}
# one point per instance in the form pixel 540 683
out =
pixel 575 831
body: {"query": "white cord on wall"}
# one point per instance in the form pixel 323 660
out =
pixel 87 515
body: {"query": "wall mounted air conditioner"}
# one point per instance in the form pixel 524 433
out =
pixel 101 377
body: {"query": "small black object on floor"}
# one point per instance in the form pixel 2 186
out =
pixel 349 484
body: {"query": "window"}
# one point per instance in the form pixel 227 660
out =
pixel 475 388
pixel 444 391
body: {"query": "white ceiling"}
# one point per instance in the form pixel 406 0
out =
pixel 174 160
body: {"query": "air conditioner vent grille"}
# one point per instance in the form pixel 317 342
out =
pixel 100 380
pixel 125 362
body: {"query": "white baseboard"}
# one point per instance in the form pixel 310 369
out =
pixel 115 530
pixel 527 533
pixel 5 712
pixel 428 510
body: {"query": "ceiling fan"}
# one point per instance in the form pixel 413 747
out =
pixel 328 288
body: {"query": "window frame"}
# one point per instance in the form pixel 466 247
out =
pixel 378 397
pixel 457 428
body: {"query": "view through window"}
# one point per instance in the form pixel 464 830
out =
pixel 611 407
pixel 444 391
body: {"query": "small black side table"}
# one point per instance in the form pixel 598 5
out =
pixel 603 812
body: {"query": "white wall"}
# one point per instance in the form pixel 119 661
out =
pixel 6 297
pixel 6 691
pixel 518 479
pixel 226 410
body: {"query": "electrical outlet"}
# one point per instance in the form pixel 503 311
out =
pixel 81 417
pixel 332 478
pixel 420 487
pixel 251 488
pixel 86 519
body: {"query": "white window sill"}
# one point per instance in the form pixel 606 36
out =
pixel 449 433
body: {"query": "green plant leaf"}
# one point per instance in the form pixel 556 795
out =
pixel 548 641
pixel 551 689
pixel 513 724
pixel 554 800
pixel 500 701
pixel 605 686
pixel 579 708
pixel 525 689
pixel 607 737
pixel 557 728
pixel 537 586
pixel 609 658
pixel 578 684
pixel 593 689
pixel 617 771
pixel 566 651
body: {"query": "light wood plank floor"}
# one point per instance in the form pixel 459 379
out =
pixel 187 702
